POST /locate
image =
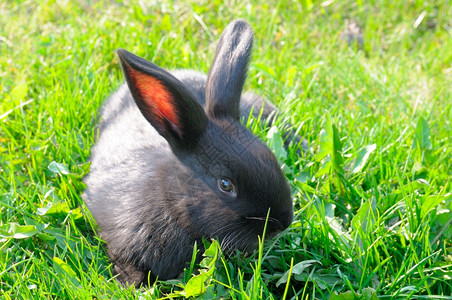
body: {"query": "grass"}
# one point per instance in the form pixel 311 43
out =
pixel 372 196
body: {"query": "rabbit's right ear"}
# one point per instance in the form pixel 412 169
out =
pixel 164 101
pixel 228 72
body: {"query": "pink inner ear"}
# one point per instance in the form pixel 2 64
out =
pixel 155 95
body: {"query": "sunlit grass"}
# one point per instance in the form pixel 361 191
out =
pixel 372 195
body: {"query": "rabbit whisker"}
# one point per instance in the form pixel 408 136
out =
pixel 271 219
pixel 256 218
pixel 239 237
pixel 230 232
pixel 227 228
pixel 231 240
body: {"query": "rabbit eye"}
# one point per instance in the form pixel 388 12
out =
pixel 226 186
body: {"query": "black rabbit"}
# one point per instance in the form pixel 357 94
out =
pixel 196 172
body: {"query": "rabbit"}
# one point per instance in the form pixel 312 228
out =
pixel 173 165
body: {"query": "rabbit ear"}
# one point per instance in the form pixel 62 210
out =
pixel 228 72
pixel 164 101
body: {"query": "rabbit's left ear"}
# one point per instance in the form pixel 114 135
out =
pixel 228 72
pixel 164 101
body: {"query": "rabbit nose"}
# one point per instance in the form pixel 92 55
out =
pixel 278 223
pixel 284 218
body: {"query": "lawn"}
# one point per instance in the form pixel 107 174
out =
pixel 368 85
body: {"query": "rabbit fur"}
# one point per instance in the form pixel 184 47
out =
pixel 173 165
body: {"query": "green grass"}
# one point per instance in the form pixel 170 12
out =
pixel 373 197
